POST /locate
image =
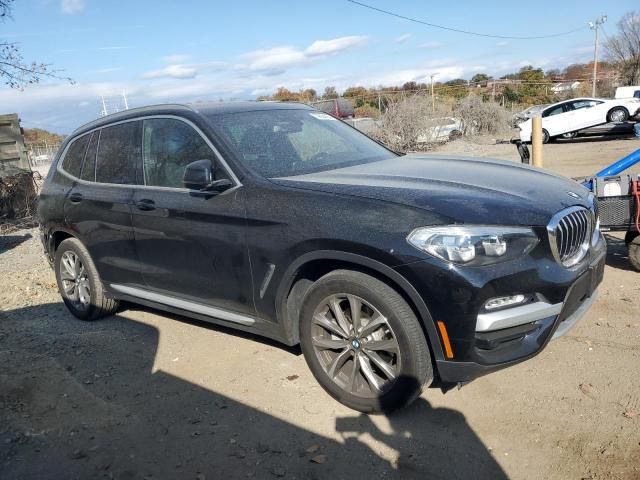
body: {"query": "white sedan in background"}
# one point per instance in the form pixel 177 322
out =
pixel 567 117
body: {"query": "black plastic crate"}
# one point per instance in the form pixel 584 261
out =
pixel 616 211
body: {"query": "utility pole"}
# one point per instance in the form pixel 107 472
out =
pixel 595 26
pixel 104 107
pixel 124 97
pixel 433 99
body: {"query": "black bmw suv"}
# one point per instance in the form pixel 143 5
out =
pixel 391 271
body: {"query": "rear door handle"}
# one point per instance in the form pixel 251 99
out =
pixel 75 197
pixel 145 204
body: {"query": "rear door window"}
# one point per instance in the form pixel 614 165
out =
pixel 72 163
pixel 119 154
pixel 578 104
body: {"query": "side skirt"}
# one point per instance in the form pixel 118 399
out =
pixel 216 316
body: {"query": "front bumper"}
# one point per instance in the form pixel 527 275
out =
pixel 486 343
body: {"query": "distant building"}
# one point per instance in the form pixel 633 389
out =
pixel 565 87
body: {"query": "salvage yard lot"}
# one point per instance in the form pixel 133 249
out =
pixel 144 394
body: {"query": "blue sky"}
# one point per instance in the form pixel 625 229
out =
pixel 161 51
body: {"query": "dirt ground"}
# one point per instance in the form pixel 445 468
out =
pixel 147 395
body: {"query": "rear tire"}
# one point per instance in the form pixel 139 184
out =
pixel 79 283
pixel 634 252
pixel 374 361
pixel 629 236
pixel 618 114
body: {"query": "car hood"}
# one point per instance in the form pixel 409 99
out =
pixel 465 190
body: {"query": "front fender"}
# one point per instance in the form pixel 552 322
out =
pixel 358 262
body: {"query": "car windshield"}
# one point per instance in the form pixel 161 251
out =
pixel 282 143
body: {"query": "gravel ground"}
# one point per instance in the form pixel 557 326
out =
pixel 147 395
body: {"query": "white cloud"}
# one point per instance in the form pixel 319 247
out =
pixel 184 71
pixel 402 38
pixel 276 60
pixel 72 6
pixel 430 45
pixel 503 44
pixel 331 47
pixel 173 71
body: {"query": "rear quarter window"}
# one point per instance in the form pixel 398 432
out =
pixel 72 162
pixel 89 166
pixel 119 158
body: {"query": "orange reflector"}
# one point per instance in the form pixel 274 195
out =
pixel 445 339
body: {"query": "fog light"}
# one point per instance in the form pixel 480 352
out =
pixel 500 302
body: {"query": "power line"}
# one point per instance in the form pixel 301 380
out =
pixel 457 30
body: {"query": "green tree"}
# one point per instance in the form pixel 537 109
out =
pixel 480 78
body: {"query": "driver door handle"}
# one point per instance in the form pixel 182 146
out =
pixel 75 197
pixel 145 204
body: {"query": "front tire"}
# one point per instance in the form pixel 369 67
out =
pixel 79 283
pixel 363 342
pixel 618 114
pixel 545 136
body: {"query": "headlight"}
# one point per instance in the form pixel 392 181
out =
pixel 474 245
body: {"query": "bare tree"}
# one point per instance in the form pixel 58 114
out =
pixel 624 47
pixel 14 70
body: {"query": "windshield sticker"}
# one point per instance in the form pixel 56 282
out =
pixel 322 116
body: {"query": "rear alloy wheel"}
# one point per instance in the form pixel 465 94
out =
pixel 79 283
pixel 618 114
pixel 75 282
pixel 363 342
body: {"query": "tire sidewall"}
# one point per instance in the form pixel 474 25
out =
pixel 545 136
pixel 404 389
pixel 634 252
pixel 620 109
pixel 70 246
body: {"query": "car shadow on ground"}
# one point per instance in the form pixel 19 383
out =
pixel 598 138
pixel 7 242
pixel 81 400
pixel 617 254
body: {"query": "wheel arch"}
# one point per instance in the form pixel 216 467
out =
pixel 54 237
pixel 618 107
pixel 309 267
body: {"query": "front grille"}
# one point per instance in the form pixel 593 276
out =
pixel 570 235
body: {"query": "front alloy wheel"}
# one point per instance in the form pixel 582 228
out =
pixel 355 345
pixel 363 342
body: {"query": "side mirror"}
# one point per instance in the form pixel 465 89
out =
pixel 198 175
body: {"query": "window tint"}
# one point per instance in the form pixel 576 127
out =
pixel 118 158
pixel 554 111
pixel 169 146
pixel 72 163
pixel 89 166
pixel 578 104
